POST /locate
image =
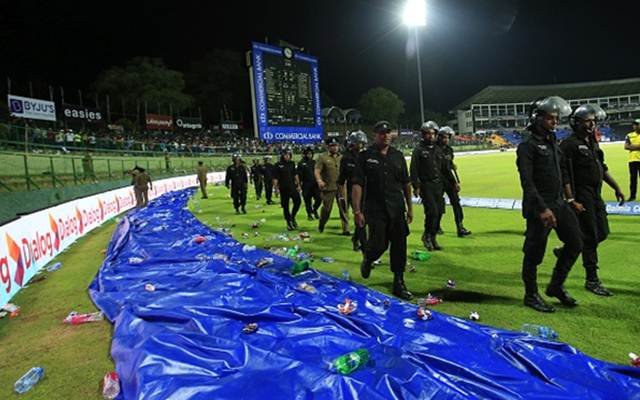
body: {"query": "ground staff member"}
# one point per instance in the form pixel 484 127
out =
pixel 236 176
pixel 202 178
pixel 584 171
pixel 543 207
pixel 257 178
pixel 450 188
pixel 632 144
pixel 356 142
pixel 428 173
pixel 310 189
pixel 287 183
pixel 381 174
pixel 267 174
pixel 326 173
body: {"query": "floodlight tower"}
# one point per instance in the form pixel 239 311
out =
pixel 415 16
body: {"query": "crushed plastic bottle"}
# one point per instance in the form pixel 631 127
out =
pixel 424 314
pixel 149 287
pixel 247 248
pixel 110 386
pixel 412 268
pixel 474 316
pixel 635 359
pixel 345 275
pixel 263 262
pixel 12 309
pixel 29 380
pixel 54 267
pixel 327 260
pixel 451 284
pixel 293 251
pixel 136 260
pixel 307 287
pixel 420 255
pixel 348 307
pixel 76 319
pixel 250 328
pixel 199 239
pixel 350 362
pixel 430 300
pixel 542 331
pixel 299 267
pixel 245 235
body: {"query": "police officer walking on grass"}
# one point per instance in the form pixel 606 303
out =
pixel 257 177
pixel 356 142
pixel 543 206
pixel 236 176
pixel 310 189
pixel 444 135
pixel 267 174
pixel 326 172
pixel 381 184
pixel 287 183
pixel 429 173
pixel 584 171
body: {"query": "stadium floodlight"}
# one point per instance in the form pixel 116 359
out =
pixel 415 16
pixel 415 13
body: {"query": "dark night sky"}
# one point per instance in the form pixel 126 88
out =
pixel 467 44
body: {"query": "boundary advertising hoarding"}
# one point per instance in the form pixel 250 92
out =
pixel 26 107
pixel 31 242
pixel 75 112
pixel 159 122
pixel 285 86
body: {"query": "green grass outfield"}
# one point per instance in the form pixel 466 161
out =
pixel 485 265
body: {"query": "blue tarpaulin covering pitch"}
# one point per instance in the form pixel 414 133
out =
pixel 185 340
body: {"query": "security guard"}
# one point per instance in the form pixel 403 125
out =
pixel 381 174
pixel 141 184
pixel 584 170
pixel 237 176
pixel 444 134
pixel 429 172
pixel 326 174
pixel 632 144
pixel 257 178
pixel 202 178
pixel 267 175
pixel 310 189
pixel 287 183
pixel 356 142
pixel 543 207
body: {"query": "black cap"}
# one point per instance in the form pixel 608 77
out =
pixel 382 127
pixel 331 141
pixel 307 150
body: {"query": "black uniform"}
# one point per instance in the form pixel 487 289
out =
pixel 429 173
pixel 583 168
pixel 237 176
pixel 258 179
pixel 267 173
pixel 346 176
pixel 538 161
pixel 450 189
pixel 285 172
pixel 383 179
pixel 310 189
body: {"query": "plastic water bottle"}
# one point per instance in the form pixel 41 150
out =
pixel 54 267
pixel 350 362
pixel 136 260
pixel 29 380
pixel 299 267
pixel 421 255
pixel 110 386
pixel 327 260
pixel 247 248
pixel 292 252
pixel 76 319
pixel 345 275
pixel 540 330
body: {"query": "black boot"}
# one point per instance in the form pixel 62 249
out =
pixel 294 223
pixel 399 288
pixel 426 241
pixel 290 226
pixel 435 244
pixel 462 232
pixel 595 286
pixel 237 211
pixel 244 211
pixel 537 303
pixel 557 251
pixel 356 244
pixel 365 268
pixel 531 297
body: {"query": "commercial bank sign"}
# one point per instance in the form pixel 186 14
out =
pixel 297 134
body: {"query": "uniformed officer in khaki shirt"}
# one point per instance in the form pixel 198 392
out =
pixel 141 184
pixel 202 178
pixel 326 172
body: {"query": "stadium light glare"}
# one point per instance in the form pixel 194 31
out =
pixel 415 13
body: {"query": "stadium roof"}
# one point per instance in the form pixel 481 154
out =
pixel 569 91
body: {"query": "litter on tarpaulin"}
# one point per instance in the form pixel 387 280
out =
pixel 347 307
pixel 424 314
pixel 250 328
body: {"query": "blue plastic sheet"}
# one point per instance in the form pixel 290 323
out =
pixel 185 341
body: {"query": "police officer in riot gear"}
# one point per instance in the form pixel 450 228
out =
pixel 287 183
pixel 429 172
pixel 236 176
pixel 543 205
pixel 267 174
pixel 584 170
pixel 381 176
pixel 444 134
pixel 356 142
pixel 257 178
pixel 310 189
